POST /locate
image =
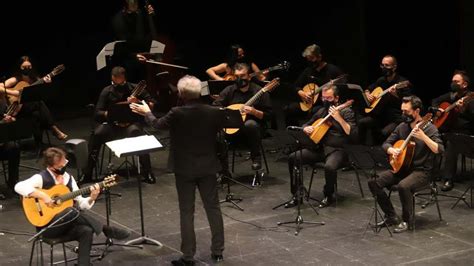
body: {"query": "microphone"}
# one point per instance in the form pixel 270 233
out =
pixel 294 128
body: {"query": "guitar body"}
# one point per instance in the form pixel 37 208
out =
pixel 440 120
pixel 309 88
pixel 319 131
pixel 18 87
pixel 237 106
pixel 38 213
pixel 229 77
pixel 404 159
pixel 376 93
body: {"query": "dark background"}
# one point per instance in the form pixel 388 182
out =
pixel 429 41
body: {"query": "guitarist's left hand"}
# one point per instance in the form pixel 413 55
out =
pixel 335 113
pixel 248 110
pixel 419 134
pixel 47 79
pixel 95 191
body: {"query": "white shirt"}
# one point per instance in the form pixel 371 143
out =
pixel 28 186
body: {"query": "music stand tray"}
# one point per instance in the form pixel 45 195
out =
pixel 132 147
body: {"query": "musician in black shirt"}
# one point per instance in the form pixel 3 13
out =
pixel 427 144
pixel 319 72
pixel 460 121
pixel 386 114
pixel 332 154
pixel 119 92
pixel 257 114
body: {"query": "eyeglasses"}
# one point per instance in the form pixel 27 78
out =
pixel 386 66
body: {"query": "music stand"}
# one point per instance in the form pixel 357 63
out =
pixel 232 119
pixel 133 147
pixel 301 192
pixel 353 92
pixel 365 159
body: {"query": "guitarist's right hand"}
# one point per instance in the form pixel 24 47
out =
pixel 369 96
pixel 305 97
pixel 395 152
pixel 308 130
pixel 48 201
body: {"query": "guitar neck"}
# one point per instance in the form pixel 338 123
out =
pixel 79 192
pixel 254 98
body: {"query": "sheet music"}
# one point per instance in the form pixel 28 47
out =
pixel 130 146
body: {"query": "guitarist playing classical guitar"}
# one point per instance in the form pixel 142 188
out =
pixel 261 110
pixel 42 117
pixel 79 225
pixel 342 126
pixel 455 115
pixel 427 142
pixel 386 115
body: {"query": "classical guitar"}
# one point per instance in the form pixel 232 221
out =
pixel 407 147
pixel 322 125
pixel 39 214
pixel 378 93
pixel 282 66
pixel 239 106
pixel 20 86
pixel 314 90
pixel 450 110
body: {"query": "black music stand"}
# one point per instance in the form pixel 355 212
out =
pixel 232 119
pixel 365 159
pixel 136 146
pixel 301 192
pixel 211 89
pixel 15 131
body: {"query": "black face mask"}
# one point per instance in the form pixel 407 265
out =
pixel 60 171
pixel 455 87
pixel 407 118
pixel 387 71
pixel 121 87
pixel 241 82
pixel 26 71
pixel 328 104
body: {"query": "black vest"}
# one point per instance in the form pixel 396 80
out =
pixel 49 180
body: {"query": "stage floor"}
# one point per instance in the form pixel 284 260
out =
pixel 252 236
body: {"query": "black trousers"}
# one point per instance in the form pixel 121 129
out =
pixel 186 187
pixel 451 161
pixel 407 185
pixel 41 117
pixel 332 162
pixel 10 151
pixel 107 132
pixel 80 228
pixel 250 135
pixel 372 131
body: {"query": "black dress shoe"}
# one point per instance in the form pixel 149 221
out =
pixel 183 262
pixel 402 227
pixel 327 201
pixel 256 165
pixel 447 186
pixel 388 221
pixel 292 203
pixel 217 258
pixel 149 178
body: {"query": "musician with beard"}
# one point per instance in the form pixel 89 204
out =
pixel 386 115
pixel 427 144
pixel 331 151
pixel 318 72
pixel 462 123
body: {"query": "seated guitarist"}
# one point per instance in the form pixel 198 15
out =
pixel 80 225
pixel 42 117
pixel 119 91
pixel 251 133
pixel 427 143
pixel 319 72
pixel 343 129
pixel 462 122
pixel 386 115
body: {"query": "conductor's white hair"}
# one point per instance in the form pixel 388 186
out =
pixel 189 87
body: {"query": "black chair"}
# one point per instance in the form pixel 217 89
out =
pixel 465 146
pixel 258 176
pixel 51 242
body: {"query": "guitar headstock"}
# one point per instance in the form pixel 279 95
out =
pixel 57 70
pixel 285 65
pixel 424 121
pixel 271 85
pixel 345 105
pixel 109 181
pixel 402 84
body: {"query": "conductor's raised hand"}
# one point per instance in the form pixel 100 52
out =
pixel 140 109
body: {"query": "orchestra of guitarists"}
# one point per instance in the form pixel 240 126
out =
pixel 413 134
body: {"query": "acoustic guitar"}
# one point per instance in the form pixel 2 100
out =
pixel 450 111
pixel 239 106
pixel 282 66
pixel 20 86
pixel 39 214
pixel 407 147
pixel 378 93
pixel 314 90
pixel 322 125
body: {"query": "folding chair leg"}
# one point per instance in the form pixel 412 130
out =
pixel 64 253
